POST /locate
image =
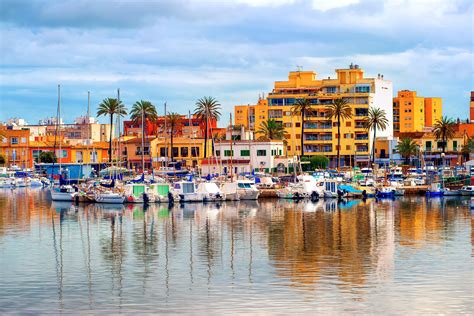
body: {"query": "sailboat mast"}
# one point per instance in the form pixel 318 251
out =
pixel 231 151
pixel 59 129
pixel 143 140
pixel 166 144
pixel 119 158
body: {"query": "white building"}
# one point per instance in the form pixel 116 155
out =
pixel 245 156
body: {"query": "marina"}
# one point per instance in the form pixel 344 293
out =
pixel 266 256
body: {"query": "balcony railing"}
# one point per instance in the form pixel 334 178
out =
pixel 138 153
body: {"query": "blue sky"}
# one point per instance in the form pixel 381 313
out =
pixel 178 51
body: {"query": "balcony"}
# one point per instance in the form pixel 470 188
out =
pixel 139 153
pixel 362 137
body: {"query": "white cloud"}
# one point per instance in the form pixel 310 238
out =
pixel 326 5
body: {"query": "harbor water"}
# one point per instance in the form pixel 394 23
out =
pixel 407 256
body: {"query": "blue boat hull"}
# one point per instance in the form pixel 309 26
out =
pixel 434 194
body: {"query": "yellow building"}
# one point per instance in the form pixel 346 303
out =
pixel 320 135
pixel 189 151
pixel 412 113
pixel 251 116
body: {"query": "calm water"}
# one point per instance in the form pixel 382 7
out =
pixel 405 256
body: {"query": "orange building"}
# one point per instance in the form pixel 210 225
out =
pixel 471 107
pixel 412 113
pixel 14 147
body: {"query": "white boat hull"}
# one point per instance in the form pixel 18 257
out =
pixel 110 198
pixel 62 196
pixel 190 197
pixel 248 194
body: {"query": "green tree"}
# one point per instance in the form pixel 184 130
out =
pixel 376 120
pixel 407 148
pixel 315 162
pixel 303 108
pixel 149 112
pixel 174 121
pixel 2 160
pixel 444 130
pixel 340 110
pixel 271 130
pixel 111 107
pixel 468 148
pixel 47 157
pixel 207 108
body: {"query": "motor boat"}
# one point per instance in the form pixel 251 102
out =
pixel 6 183
pixel 385 192
pixel 435 190
pixel 230 190
pixel 307 187
pixel 63 193
pixel 109 197
pixel 467 190
pixel 138 193
pixel 186 190
pixel 160 192
pixel 247 190
pixel 210 192
pixel 330 188
pixel 449 192
pixel 35 182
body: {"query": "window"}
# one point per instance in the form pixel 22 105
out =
pixel 184 151
pixel 288 113
pixel 362 89
pixel 287 124
pixel 14 140
pixel 228 153
pixel 288 148
pixel 331 90
pixel 348 135
pixel 146 150
pixel 23 140
pixel 245 153
pixel 298 136
pixel 175 151
pixel 261 152
pixel 348 124
pixel 163 152
pixel 218 153
pixel 348 147
pixel 4 140
pixel 297 124
pixel 194 151
pixel 428 145
pixel 455 145
pixel 64 153
pixel 280 152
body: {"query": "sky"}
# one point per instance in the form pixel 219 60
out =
pixel 178 51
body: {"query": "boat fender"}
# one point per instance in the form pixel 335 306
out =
pixel 146 199
pixel 297 195
pixel 364 194
pixel 314 196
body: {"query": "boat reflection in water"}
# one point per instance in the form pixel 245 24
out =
pixel 246 256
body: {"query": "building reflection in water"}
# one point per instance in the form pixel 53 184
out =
pixel 305 245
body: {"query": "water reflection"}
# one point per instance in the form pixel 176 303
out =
pixel 228 256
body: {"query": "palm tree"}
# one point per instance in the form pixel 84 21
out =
pixel 407 147
pixel 141 112
pixel 111 107
pixel 444 130
pixel 302 107
pixel 271 130
pixel 175 121
pixel 148 110
pixel 340 110
pixel 376 119
pixel 207 108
